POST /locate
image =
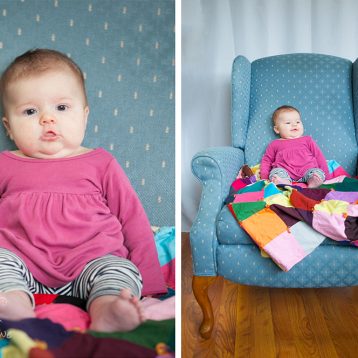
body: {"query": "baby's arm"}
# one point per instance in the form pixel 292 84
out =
pixel 266 162
pixel 138 237
pixel 321 160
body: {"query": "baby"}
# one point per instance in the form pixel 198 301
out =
pixel 70 222
pixel 293 156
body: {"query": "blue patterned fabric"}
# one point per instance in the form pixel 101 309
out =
pixel 325 90
pixel 355 99
pixel 216 168
pixel 126 50
pixel 240 104
pixel 228 230
pixel 326 266
pixel 320 87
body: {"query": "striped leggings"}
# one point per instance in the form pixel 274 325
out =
pixel 283 174
pixel 106 275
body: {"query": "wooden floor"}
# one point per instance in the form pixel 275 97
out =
pixel 267 322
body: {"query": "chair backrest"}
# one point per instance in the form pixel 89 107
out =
pixel 321 87
pixel 126 50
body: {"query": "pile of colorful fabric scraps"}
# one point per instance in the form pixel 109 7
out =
pixel 35 337
pixel 288 222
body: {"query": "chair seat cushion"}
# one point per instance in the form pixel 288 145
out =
pixel 328 265
pixel 229 231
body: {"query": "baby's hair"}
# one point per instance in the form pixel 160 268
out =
pixel 285 108
pixel 37 61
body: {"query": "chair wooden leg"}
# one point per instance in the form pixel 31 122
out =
pixel 200 286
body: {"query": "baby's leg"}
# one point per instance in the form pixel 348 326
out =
pixel 112 285
pixel 16 300
pixel 119 313
pixel 279 176
pixel 314 177
pixel 314 181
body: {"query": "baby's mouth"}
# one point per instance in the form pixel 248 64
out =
pixel 49 136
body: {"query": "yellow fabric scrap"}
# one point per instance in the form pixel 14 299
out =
pixel 278 199
pixel 256 170
pixel 12 352
pixel 332 206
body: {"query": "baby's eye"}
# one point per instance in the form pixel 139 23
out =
pixel 30 111
pixel 62 107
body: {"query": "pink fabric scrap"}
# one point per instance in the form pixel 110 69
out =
pixel 69 316
pixel 285 250
pixel 249 197
pixel 331 225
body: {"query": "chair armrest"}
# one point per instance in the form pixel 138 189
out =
pixel 216 168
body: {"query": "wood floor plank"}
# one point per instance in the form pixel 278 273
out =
pixel 284 332
pixel 255 331
pixel 323 339
pixel 303 338
pixel 340 311
pixel 244 323
pixel 264 336
pixel 226 321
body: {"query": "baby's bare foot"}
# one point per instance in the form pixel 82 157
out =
pixel 314 181
pixel 120 313
pixel 15 305
pixel 277 180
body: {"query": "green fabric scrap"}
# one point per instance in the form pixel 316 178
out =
pixel 147 334
pixel 348 184
pixel 245 210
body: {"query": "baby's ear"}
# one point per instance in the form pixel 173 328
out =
pixel 276 130
pixel 7 127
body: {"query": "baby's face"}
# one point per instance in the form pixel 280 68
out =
pixel 46 114
pixel 289 125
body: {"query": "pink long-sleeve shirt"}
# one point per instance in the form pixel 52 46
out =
pixel 295 155
pixel 59 214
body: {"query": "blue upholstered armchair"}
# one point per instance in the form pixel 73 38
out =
pixel 325 90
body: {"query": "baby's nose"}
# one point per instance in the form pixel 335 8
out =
pixel 47 118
